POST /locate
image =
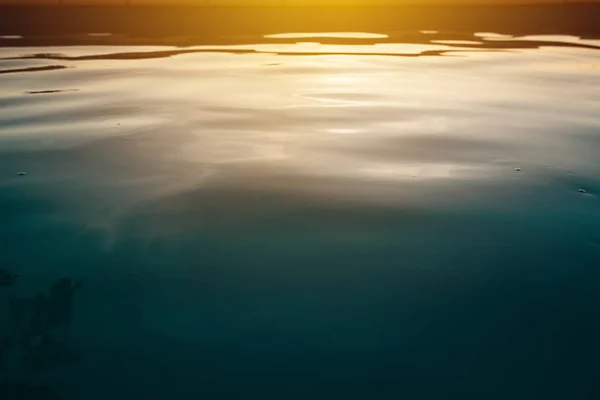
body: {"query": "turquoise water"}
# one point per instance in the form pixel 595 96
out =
pixel 307 220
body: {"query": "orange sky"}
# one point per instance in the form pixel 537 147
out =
pixel 279 2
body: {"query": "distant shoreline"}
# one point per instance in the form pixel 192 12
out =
pixel 286 3
pixel 201 25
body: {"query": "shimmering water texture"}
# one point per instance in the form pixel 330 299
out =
pixel 314 216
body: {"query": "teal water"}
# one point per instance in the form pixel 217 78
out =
pixel 305 220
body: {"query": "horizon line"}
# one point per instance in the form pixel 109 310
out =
pixel 284 3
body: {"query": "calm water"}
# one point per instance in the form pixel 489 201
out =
pixel 306 220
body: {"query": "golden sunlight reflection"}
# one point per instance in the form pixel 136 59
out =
pixel 341 35
pixel 341 79
pixel 342 131
pixel 402 172
pixel 371 112
pixel 308 43
pixel 492 35
pixel 467 42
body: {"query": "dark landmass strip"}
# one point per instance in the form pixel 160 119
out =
pixel 33 69
pixel 496 45
pixel 205 25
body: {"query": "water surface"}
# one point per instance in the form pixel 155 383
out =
pixel 301 218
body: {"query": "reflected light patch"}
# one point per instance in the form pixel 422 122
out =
pixel 342 131
pixel 491 35
pixel 343 35
pixel 339 78
pixel 308 43
pixel 398 172
pixel 456 42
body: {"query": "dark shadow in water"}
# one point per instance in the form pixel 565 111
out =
pixel 28 346
pixel 18 390
pixel 51 91
pixel 33 69
pixel 6 278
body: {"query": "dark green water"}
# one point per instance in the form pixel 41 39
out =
pixel 268 226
